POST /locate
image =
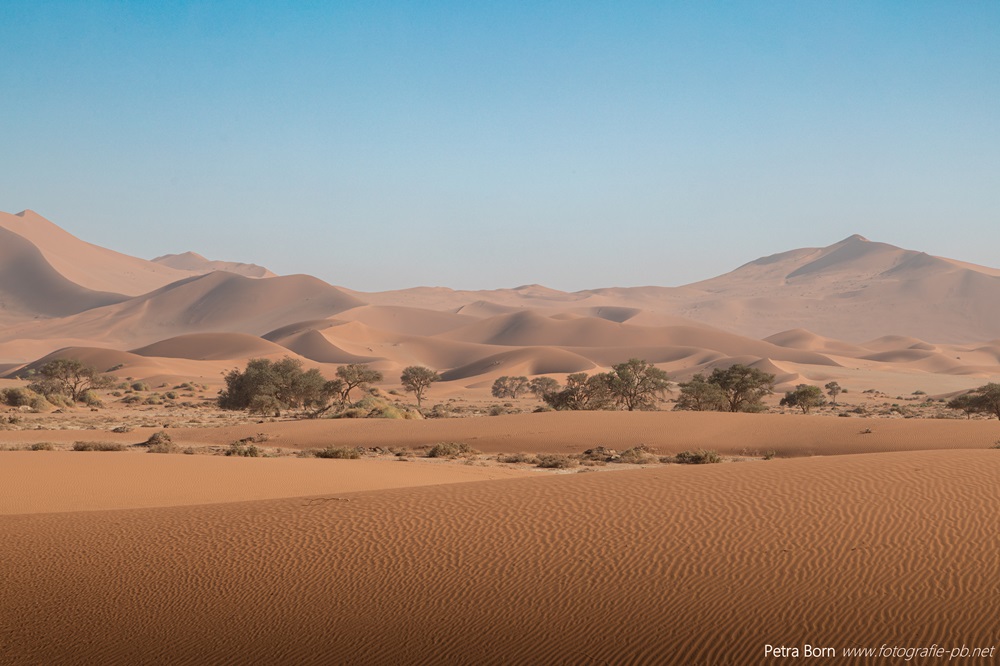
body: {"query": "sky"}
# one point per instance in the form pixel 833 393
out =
pixel 384 145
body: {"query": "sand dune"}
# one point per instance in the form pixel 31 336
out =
pixel 31 287
pixel 217 302
pixel 87 265
pixel 195 263
pixel 212 347
pixel 673 565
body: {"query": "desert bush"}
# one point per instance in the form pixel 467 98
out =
pixel 517 458
pixel 139 386
pixel 450 450
pixel 91 399
pixel 700 457
pixel 339 453
pixel 160 442
pixel 556 461
pixel 98 446
pixel 42 446
pixel 131 399
pixel 242 449
pixel 637 455
pixel 16 397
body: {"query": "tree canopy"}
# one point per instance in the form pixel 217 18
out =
pixel 805 397
pixel 69 377
pixel 637 384
pixel 416 379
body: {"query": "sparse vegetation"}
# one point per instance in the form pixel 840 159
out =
pixel 517 459
pixel 700 457
pixel 243 449
pixel 451 450
pixel 160 442
pixel 556 461
pixel 98 446
pixel 338 453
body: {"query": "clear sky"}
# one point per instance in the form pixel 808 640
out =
pixel 485 144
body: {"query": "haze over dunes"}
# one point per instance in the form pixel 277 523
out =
pixel 850 311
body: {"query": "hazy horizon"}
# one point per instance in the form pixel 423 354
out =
pixel 384 146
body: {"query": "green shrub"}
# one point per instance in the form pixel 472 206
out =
pixel 700 457
pixel 139 386
pixel 98 446
pixel 339 453
pixel 90 399
pixel 451 450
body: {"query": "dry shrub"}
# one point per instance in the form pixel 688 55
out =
pixel 556 461
pixel 517 458
pixel 339 453
pixel 451 450
pixel 700 457
pixel 98 446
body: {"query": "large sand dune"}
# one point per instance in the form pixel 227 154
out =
pixel 818 307
pixel 674 565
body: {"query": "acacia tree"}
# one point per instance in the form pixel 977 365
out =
pixel 267 387
pixel 356 375
pixel 637 384
pixel 69 377
pixel 701 395
pixel 805 397
pixel 987 398
pixel 967 403
pixel 582 392
pixel 542 386
pixel 744 387
pixel 833 389
pixel 416 379
pixel 509 387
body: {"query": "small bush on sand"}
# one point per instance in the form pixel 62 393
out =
pixel 517 458
pixel 700 457
pixel 242 449
pixel 160 442
pixel 451 450
pixel 98 446
pixel 339 453
pixel 637 455
pixel 556 461
pixel 42 446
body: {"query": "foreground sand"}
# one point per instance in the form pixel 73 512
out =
pixel 676 564
pixel 57 481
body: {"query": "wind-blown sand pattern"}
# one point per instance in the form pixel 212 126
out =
pixel 674 565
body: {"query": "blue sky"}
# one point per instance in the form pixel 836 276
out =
pixel 384 145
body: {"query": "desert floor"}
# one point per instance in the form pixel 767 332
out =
pixel 846 539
